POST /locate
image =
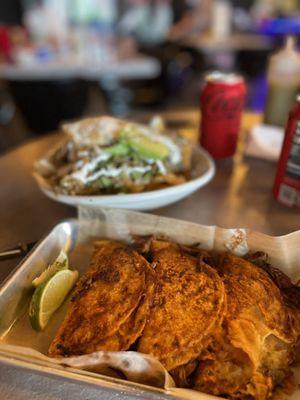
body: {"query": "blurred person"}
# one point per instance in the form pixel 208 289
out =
pixel 143 26
pixel 189 17
pixel 151 23
pixel 242 15
pixel 148 21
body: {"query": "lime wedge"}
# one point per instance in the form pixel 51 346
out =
pixel 49 296
pixel 60 263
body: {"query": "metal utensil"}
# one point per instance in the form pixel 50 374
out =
pixel 20 250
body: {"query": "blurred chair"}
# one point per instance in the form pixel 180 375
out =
pixel 45 104
pixel 12 127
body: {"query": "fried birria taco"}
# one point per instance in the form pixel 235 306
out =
pixel 251 352
pixel 218 323
pixel 109 307
pixel 187 306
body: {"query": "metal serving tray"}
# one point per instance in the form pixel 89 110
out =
pixel 76 239
pixel 15 294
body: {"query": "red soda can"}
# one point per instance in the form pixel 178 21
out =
pixel 5 43
pixel 286 187
pixel 222 102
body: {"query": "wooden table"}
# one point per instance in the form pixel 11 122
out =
pixel 222 51
pixel 137 67
pixel 108 75
pixel 235 42
pixel 239 196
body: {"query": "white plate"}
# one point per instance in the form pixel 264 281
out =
pixel 203 168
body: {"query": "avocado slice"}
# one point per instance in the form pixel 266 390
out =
pixel 147 176
pixel 105 181
pixel 118 149
pixel 144 146
pixel 102 182
pixel 135 175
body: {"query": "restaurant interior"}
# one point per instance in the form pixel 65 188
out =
pixel 164 133
pixel 55 56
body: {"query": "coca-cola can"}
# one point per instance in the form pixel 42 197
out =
pixel 286 187
pixel 222 102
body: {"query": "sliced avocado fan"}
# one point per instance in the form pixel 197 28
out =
pixel 118 149
pixel 144 146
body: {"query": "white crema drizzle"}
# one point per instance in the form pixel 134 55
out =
pixel 85 176
pixel 85 172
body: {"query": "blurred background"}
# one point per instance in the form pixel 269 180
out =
pixel 64 59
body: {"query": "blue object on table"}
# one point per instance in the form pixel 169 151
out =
pixel 257 93
pixel 44 54
pixel 280 26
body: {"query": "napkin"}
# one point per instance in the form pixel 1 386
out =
pixel 265 141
